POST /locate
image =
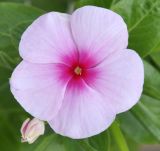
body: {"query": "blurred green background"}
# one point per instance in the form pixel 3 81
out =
pixel 48 5
pixel 140 125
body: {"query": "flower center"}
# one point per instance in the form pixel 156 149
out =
pixel 78 70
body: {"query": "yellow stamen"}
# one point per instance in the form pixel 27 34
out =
pixel 78 70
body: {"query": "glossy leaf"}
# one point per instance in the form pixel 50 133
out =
pixel 142 18
pixel 13 14
pixel 156 58
pixel 152 81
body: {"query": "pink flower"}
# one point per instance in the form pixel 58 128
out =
pixel 76 72
pixel 31 130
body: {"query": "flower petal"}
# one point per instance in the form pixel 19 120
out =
pixel 84 112
pixel 120 79
pixel 48 39
pixel 24 127
pixel 98 31
pixel 38 89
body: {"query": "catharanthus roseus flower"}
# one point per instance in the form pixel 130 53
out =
pixel 31 130
pixel 76 72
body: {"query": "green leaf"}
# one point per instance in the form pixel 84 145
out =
pixel 142 18
pixel 13 14
pixel 101 3
pixel 51 5
pixel 47 5
pixel 132 145
pixel 142 122
pixel 156 58
pixel 134 129
pixel 17 31
pixel 90 2
pixel 152 81
pixel 147 111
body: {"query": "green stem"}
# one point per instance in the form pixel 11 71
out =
pixel 118 137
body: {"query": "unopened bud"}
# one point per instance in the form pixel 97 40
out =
pixel 31 130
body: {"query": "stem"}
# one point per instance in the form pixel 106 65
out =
pixel 118 136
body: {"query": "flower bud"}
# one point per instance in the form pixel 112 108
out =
pixel 31 130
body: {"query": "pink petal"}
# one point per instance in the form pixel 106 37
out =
pixel 98 31
pixel 24 127
pixel 48 39
pixel 38 88
pixel 84 112
pixel 120 79
pixel 36 126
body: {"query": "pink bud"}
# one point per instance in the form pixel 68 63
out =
pixel 31 130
